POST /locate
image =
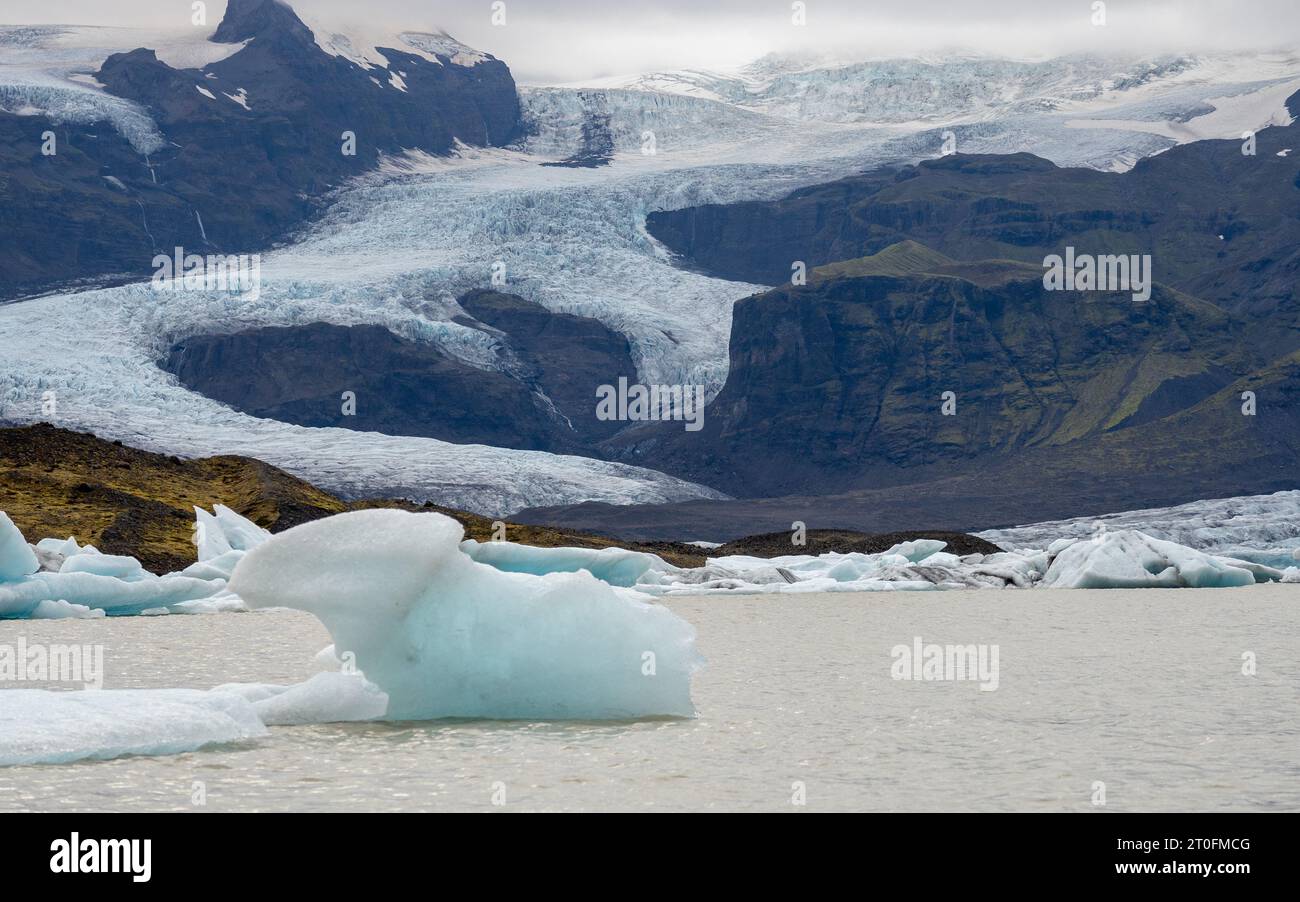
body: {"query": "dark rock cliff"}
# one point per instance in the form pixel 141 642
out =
pixel 543 397
pixel 242 172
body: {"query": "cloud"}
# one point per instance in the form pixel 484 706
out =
pixel 549 41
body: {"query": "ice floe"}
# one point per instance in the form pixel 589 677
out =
pixel 41 726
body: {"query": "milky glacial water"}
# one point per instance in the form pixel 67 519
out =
pixel 1141 690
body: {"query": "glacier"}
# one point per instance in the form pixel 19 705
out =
pixel 396 247
pixel 49 69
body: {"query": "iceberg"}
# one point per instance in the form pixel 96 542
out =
pixel 611 565
pixel 446 636
pixel 127 569
pixel 108 593
pixel 17 559
pixel 1128 559
pixel 59 578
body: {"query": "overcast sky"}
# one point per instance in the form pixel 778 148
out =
pixel 547 41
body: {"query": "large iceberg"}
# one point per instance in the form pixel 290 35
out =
pixel 446 636
pixel 1128 559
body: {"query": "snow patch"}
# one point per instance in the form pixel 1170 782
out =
pixel 240 97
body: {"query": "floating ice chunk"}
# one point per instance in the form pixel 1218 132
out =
pixel 611 565
pixel 1261 572
pixel 115 596
pixel 66 547
pixel 1128 559
pixel 325 698
pixel 1060 545
pixel 1020 570
pixel 63 610
pixel 920 549
pixel 17 559
pixel 209 538
pixel 221 603
pixel 223 531
pixel 219 567
pixel 242 533
pixel 1273 558
pixel 326 659
pixel 40 726
pixel 446 636
pixel 114 565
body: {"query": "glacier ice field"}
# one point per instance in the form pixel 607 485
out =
pixel 398 246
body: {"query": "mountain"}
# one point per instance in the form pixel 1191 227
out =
pixel 1218 224
pixel 371 294
pixel 928 279
pixel 839 384
pixel 957 87
pixel 228 156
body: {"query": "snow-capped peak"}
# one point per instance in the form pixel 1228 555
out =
pixel 360 43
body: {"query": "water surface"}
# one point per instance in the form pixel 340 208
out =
pixel 1142 690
